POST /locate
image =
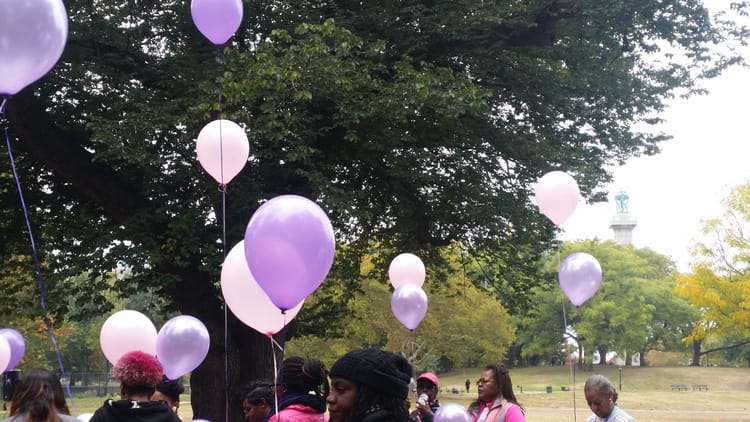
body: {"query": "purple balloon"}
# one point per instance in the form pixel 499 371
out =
pixel 289 247
pixel 452 412
pixel 17 346
pixel 181 345
pixel 217 20
pixel 409 305
pixel 32 38
pixel 580 276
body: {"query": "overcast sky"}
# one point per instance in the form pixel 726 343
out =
pixel 672 192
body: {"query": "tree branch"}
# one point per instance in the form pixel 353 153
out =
pixel 61 151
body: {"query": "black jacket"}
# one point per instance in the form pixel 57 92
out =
pixel 134 411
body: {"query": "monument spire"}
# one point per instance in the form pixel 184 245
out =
pixel 622 223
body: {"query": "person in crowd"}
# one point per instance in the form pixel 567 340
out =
pixel 39 397
pixel 138 372
pixel 369 385
pixel 169 391
pixel 302 388
pixel 496 401
pixel 258 400
pixel 601 397
pixel 427 385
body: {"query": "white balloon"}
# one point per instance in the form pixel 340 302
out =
pixel 557 196
pixel 84 417
pixel 406 268
pixel 223 149
pixel 247 300
pixel 4 353
pixel 125 331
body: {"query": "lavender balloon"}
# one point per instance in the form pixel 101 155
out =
pixel 32 38
pixel 217 20
pixel 181 345
pixel 452 412
pixel 580 276
pixel 409 305
pixel 289 247
pixel 17 346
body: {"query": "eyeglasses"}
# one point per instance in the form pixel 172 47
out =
pixel 482 381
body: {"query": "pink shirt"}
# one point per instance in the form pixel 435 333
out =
pixel 491 412
pixel 298 413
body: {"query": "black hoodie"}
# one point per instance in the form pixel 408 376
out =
pixel 134 411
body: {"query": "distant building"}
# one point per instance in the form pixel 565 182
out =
pixel 622 223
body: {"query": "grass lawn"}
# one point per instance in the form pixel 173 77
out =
pixel 645 393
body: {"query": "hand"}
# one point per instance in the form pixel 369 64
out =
pixel 424 408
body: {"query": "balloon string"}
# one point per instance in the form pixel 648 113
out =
pixel 223 189
pixel 565 327
pixel 275 376
pixel 218 89
pixel 5 122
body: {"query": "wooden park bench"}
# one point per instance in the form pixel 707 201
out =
pixel 679 387
pixel 700 387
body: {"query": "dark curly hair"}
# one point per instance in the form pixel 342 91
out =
pixel 257 391
pixel 300 375
pixel 138 372
pixel 504 384
pixel 171 388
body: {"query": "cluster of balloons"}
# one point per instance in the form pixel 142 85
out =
pixel 222 146
pixel 286 254
pixel 580 275
pixel 409 301
pixel 32 38
pixel 180 345
pixel 289 243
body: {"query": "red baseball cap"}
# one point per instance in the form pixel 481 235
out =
pixel 429 376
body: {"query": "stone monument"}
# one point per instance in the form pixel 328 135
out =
pixel 622 223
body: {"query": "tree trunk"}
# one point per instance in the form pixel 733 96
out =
pixel 696 353
pixel 644 362
pixel 249 354
pixel 602 355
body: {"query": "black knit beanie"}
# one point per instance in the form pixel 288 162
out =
pixel 384 372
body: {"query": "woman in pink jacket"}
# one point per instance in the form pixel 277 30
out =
pixel 496 401
pixel 302 387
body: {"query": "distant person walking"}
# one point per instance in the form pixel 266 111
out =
pixel 496 401
pixel 468 384
pixel 601 397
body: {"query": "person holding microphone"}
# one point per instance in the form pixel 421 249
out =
pixel 427 403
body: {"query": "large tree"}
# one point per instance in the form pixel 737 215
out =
pixel 719 285
pixel 413 123
pixel 633 311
